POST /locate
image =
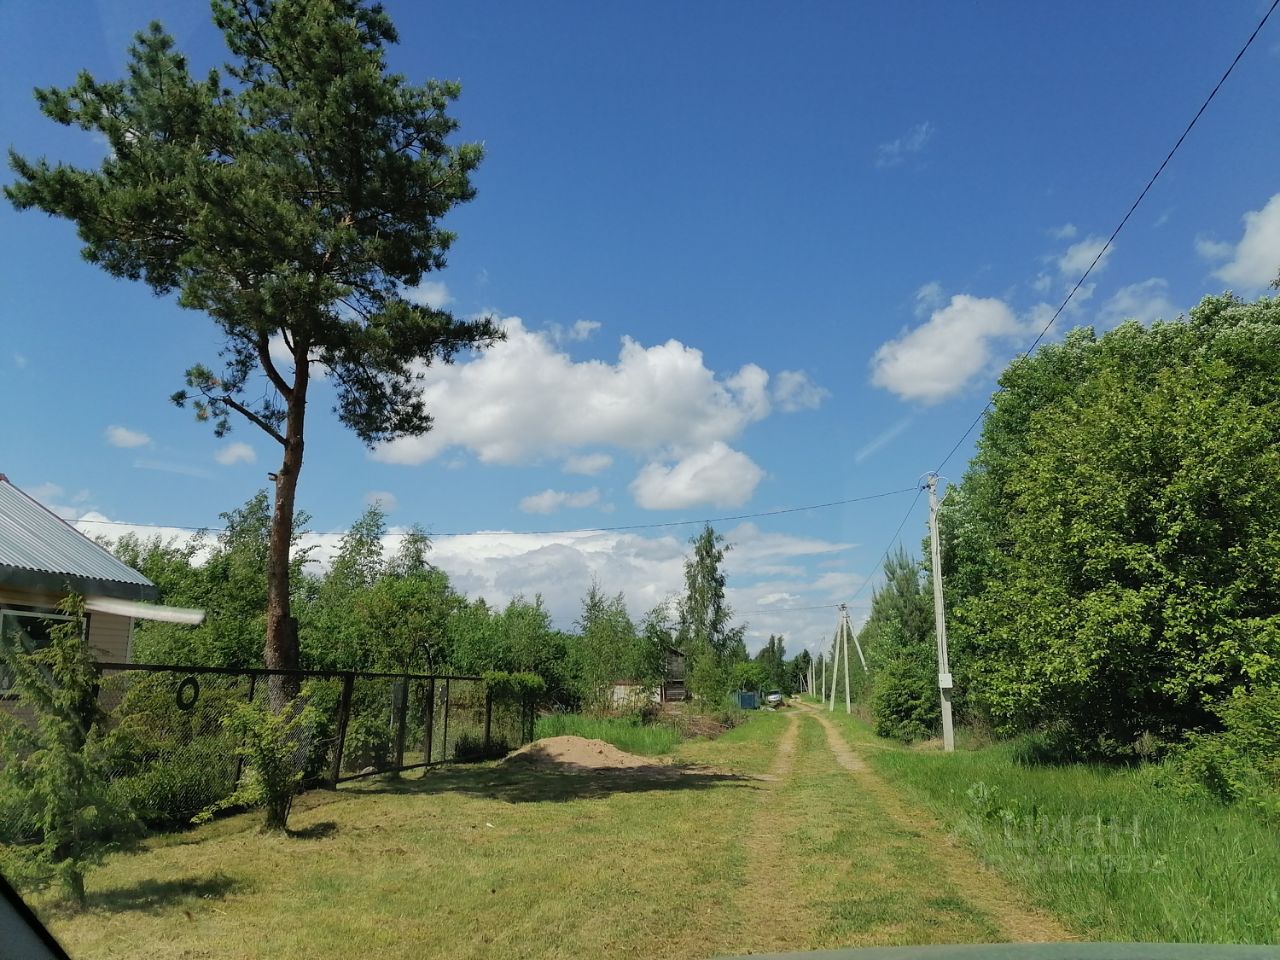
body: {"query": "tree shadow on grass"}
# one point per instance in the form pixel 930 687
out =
pixel 556 782
pixel 151 895
pixel 317 831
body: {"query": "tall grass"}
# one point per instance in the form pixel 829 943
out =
pixel 629 735
pixel 1111 851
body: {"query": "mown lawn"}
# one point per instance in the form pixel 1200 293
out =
pixel 1106 850
pixel 772 849
pixel 763 843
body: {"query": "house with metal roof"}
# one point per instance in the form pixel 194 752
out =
pixel 43 559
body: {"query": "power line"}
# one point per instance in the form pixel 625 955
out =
pixel 1120 226
pixel 767 610
pixel 893 540
pixel 549 533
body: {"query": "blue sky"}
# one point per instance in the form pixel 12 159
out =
pixel 750 257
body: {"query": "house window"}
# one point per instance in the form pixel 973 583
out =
pixel 24 629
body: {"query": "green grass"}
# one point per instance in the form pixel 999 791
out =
pixel 1107 850
pixel 648 740
pixel 766 850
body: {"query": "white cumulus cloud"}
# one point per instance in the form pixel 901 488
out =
pixel 937 358
pixel 794 391
pixel 430 293
pixel 588 464
pixel 1144 302
pixel 549 501
pixel 716 474
pixel 929 298
pixel 1212 249
pixel 384 500
pixel 1065 232
pixel 119 436
pixel 1079 256
pixel 523 400
pixel 579 331
pixel 1255 260
pixel 235 452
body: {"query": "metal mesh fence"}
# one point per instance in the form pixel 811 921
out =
pixel 173 753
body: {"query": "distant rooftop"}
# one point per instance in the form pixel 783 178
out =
pixel 41 551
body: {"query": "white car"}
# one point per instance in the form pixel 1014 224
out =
pixel 773 698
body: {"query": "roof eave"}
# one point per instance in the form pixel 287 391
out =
pixel 70 583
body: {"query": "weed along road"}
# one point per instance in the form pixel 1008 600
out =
pixel 773 836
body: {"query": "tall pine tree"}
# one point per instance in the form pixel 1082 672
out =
pixel 295 197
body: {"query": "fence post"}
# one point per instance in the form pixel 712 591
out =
pixel 402 707
pixel 253 686
pixel 488 719
pixel 444 738
pixel 344 714
pixel 431 716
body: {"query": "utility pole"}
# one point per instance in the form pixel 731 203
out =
pixel 822 694
pixel 940 618
pixel 844 613
pixel 843 633
pixel 835 670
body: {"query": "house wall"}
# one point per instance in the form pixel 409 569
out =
pixel 109 633
pixel 109 636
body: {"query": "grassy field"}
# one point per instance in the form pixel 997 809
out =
pixel 774 847
pixel 648 740
pixel 1105 849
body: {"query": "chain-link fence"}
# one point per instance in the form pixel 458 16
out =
pixel 173 755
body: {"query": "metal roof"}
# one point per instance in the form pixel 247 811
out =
pixel 40 550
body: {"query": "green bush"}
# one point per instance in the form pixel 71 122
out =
pixel 168 763
pixel 1241 763
pixel 275 746
pixel 19 816
pixel 369 742
pixel 904 701
pixel 710 680
pixel 170 789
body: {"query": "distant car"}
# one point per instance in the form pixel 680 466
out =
pixel 773 698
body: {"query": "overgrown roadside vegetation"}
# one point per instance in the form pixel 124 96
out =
pixel 625 733
pixel 1111 850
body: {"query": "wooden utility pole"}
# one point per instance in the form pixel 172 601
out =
pixel 835 670
pixel 843 633
pixel 940 618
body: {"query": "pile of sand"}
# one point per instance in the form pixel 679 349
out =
pixel 578 753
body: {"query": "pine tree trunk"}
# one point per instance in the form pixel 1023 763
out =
pixel 281 649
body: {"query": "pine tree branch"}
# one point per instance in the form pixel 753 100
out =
pixel 264 357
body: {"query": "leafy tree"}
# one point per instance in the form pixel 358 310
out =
pixel 606 648
pixel 704 633
pixel 898 640
pixel 751 675
pixel 407 618
pixel 227 578
pixel 294 197
pixel 62 768
pixel 797 671
pixel 1113 555
pixel 772 657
